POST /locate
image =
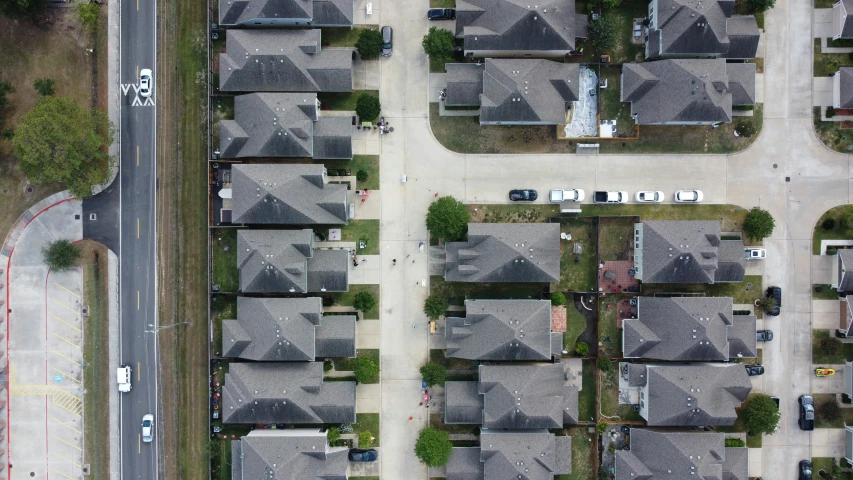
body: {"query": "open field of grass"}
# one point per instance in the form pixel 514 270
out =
pixel 832 135
pixel 744 292
pixel 223 248
pixel 577 272
pixel 347 298
pixel 819 356
pixel 842 230
pixel 366 230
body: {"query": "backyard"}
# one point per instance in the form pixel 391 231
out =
pixel 586 397
pixel 608 395
pixel 747 291
pixel 362 230
pixel 821 357
pixel 221 108
pixel 584 454
pixel 832 135
pixel 223 249
pixel 615 237
pixel 842 228
pixel 609 333
pixel 611 106
pixel 222 307
pixel 625 50
pixel 575 325
pixel 347 299
pixel 577 271
pixel 462 290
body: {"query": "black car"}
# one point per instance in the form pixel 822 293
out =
pixel 362 455
pixel 776 294
pixel 387 35
pixel 754 370
pixel 776 401
pixel 441 14
pixel 523 195
pixel 764 335
pixel 806 413
pixel 805 470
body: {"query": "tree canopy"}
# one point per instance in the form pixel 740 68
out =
pixel 60 255
pixel 366 370
pixel 433 447
pixel 756 6
pixel 602 32
pixel 558 299
pixel 45 86
pixel 448 218
pixel 23 8
pixel 364 301
pixel 367 107
pixel 434 374
pixel 58 141
pixel 369 44
pixel 435 305
pixel 760 415
pixel 5 89
pixel 438 44
pixel 88 14
pixel 758 224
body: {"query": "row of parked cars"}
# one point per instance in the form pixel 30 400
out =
pixel 602 196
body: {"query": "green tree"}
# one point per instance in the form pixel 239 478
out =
pixel 766 304
pixel 333 434
pixel 5 89
pixel 88 14
pixel 365 439
pixel 581 349
pixel 361 175
pixel 60 255
pixel 23 8
pixel 433 447
pixel 438 44
pixel 610 4
pixel 364 301
pixel 830 410
pixel 448 218
pixel 434 374
pixel 435 306
pixel 735 442
pixel 756 6
pixel 558 299
pixel 369 44
pixel 366 370
pixel 58 141
pixel 760 415
pixel 830 346
pixel 605 364
pixel 745 128
pixel 602 32
pixel 828 223
pixel 45 86
pixel 758 224
pixel 367 107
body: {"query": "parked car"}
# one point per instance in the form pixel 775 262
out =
pixel 805 470
pixel 146 82
pixel 806 412
pixel 755 253
pixel 688 196
pixel 571 195
pixel 753 370
pixel 601 196
pixel 776 294
pixel 776 401
pixel 148 428
pixel 764 335
pixel 387 35
pixel 441 14
pixel 523 195
pixel 362 455
pixel 648 196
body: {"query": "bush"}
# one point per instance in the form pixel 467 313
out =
pixel 830 346
pixel 88 14
pixel 438 44
pixel 758 224
pixel 448 218
pixel 433 447
pixel 558 299
pixel 602 32
pixel 434 374
pixel 60 255
pixel 601 427
pixel 367 107
pixel 435 306
pixel 846 399
pixel 366 370
pixel 745 128
pixel 735 442
pixel 830 111
pixel 333 434
pixel 761 415
pixel 610 3
pixel 328 365
pixel 361 176
pixel 365 439
pixel 369 44
pixel 831 251
pixel 364 301
pixel 828 223
pixel 756 6
pixel 830 411
pixel 766 304
pixel 605 364
pixel 45 86
pixel 581 349
pixel 603 474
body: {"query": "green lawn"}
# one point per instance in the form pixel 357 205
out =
pixel 367 422
pixel 348 364
pixel 611 106
pixel 463 290
pixel 222 307
pixel 223 246
pixel 442 3
pixel 825 463
pixel 342 37
pixel 625 51
pixel 584 451
pixel 730 216
pixel 820 422
pixel 586 397
pixel 826 292
pixel 515 213
pixel 436 421
pixel 365 230
pixel 347 298
pixel 436 355
pixel 832 135
pixel 828 63
pixel 741 292
pixel 220 449
pixel 609 398
pixel 819 357
pixel 841 231
pixel 343 100
pixel 607 328
pixel 368 163
pixel 575 325
pixel 577 272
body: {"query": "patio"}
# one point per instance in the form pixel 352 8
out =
pixel 614 276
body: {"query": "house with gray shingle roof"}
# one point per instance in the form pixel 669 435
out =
pixel 842 271
pixel 286 195
pixel 283 61
pixel 686 92
pixel 842 88
pixel 514 397
pixel 287 330
pixel 518 330
pixel 505 252
pixel 658 454
pixel 283 125
pixel 464 84
pixel 285 261
pixel 527 92
pixel 287 453
pixel 516 28
pixel 684 395
pixel 700 29
pixel 842 19
pixel 286 13
pixel 686 251
pixel 692 329
pixel 532 455
pixel 274 392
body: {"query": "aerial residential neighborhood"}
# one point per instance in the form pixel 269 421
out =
pixel 426 240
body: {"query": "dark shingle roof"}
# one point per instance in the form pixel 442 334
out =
pixel 464 84
pixel 846 86
pixel 681 91
pixel 333 138
pixel 283 61
pixel 269 125
pixel 742 341
pixel 844 23
pixel 285 393
pixel 689 395
pixel 303 454
pixel 743 36
pixel 551 25
pixel 463 403
pixel 688 251
pixel 286 194
pixel 532 455
pixel 676 455
pixel 741 83
pixel 281 261
pixel 333 13
pixel 527 396
pixel 506 252
pixel 233 12
pixel 336 337
pixel 526 90
pixel 845 268
pixel 736 466
pixel 465 464
pixel 707 27
pixel 273 329
pixel 501 330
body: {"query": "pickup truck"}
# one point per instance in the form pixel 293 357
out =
pixel 574 195
pixel 601 196
pixel 123 375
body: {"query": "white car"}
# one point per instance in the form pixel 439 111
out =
pixel 572 195
pixel 755 253
pixel 689 196
pixel 648 196
pixel 147 428
pixel 146 82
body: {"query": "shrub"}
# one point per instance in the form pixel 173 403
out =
pixel 367 107
pixel 438 44
pixel 745 128
pixel 328 365
pixel 831 251
pixel 766 304
pixel 828 223
pixel 60 255
pixel 558 299
pixel 735 442
pixel 605 364
pixel 433 447
pixel 756 6
pixel 846 399
pixel 333 435
pixel 366 370
pixel 830 411
pixel 369 44
pixel 581 349
pixel 830 111
pixel 448 218
pixel 45 86
pixel 602 32
pixel 88 14
pixel 361 176
pixel 434 374
pixel 830 346
pixel 601 427
pixel 758 224
pixel 761 415
pixel 435 306
pixel 364 301
pixel 610 3
pixel 365 439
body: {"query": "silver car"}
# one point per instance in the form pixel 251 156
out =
pixel 148 428
pixel 387 37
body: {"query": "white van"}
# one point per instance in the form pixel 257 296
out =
pixel 123 375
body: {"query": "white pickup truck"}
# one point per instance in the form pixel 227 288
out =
pixel 123 375
pixel 573 195
pixel 601 196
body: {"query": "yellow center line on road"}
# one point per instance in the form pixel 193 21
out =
pixel 66 374
pixel 63 474
pixel 72 462
pixel 72 428
pixel 66 306
pixel 69 444
pixel 63 356
pixel 69 291
pixel 66 323
pixel 69 342
pixel 138 372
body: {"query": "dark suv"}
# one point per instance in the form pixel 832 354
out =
pixel 441 14
pixel 806 412
pixel 776 294
pixel 805 470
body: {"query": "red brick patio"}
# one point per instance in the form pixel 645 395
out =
pixel 622 280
